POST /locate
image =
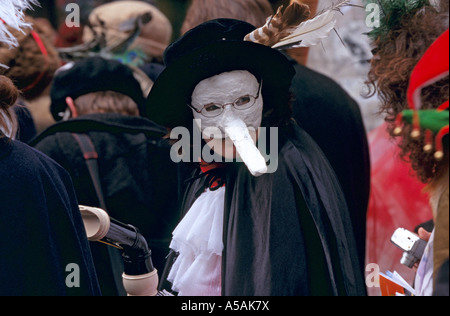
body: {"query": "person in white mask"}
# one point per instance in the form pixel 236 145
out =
pixel 263 213
pixel 228 110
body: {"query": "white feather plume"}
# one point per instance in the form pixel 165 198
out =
pixel 12 15
pixel 310 32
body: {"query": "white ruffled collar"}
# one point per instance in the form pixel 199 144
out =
pixel 198 240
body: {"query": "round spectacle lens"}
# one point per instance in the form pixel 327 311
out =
pixel 212 110
pixel 244 102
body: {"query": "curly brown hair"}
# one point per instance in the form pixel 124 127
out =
pixel 395 57
pixel 28 66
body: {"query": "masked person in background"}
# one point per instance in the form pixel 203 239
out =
pixel 249 228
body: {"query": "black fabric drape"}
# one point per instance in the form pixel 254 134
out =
pixel 267 245
pixel 42 236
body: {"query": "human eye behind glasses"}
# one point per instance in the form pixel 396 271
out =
pixel 243 101
pixel 210 108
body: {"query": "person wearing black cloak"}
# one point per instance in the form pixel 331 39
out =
pixel 250 228
pixel 43 245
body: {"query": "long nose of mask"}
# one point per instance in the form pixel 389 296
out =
pixel 239 134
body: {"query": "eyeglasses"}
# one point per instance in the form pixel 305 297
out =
pixel 242 103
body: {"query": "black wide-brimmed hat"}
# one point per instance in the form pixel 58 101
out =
pixel 212 48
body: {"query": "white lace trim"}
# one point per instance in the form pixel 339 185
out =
pixel 198 240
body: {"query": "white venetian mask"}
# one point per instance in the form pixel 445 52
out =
pixel 228 109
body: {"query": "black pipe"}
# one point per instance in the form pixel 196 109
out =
pixel 136 254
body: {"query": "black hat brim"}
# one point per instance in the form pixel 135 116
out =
pixel 168 98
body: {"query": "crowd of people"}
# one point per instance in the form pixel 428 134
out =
pixel 276 190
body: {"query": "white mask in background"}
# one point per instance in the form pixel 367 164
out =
pixel 233 128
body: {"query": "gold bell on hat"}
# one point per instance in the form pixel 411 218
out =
pixel 428 147
pixel 415 134
pixel 398 124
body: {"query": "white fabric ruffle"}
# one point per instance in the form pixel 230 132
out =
pixel 198 240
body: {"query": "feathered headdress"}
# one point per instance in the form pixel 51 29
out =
pixel 293 27
pixel 12 15
pixel 432 67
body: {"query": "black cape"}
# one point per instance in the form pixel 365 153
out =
pixel 41 231
pixel 286 233
pixel 333 119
